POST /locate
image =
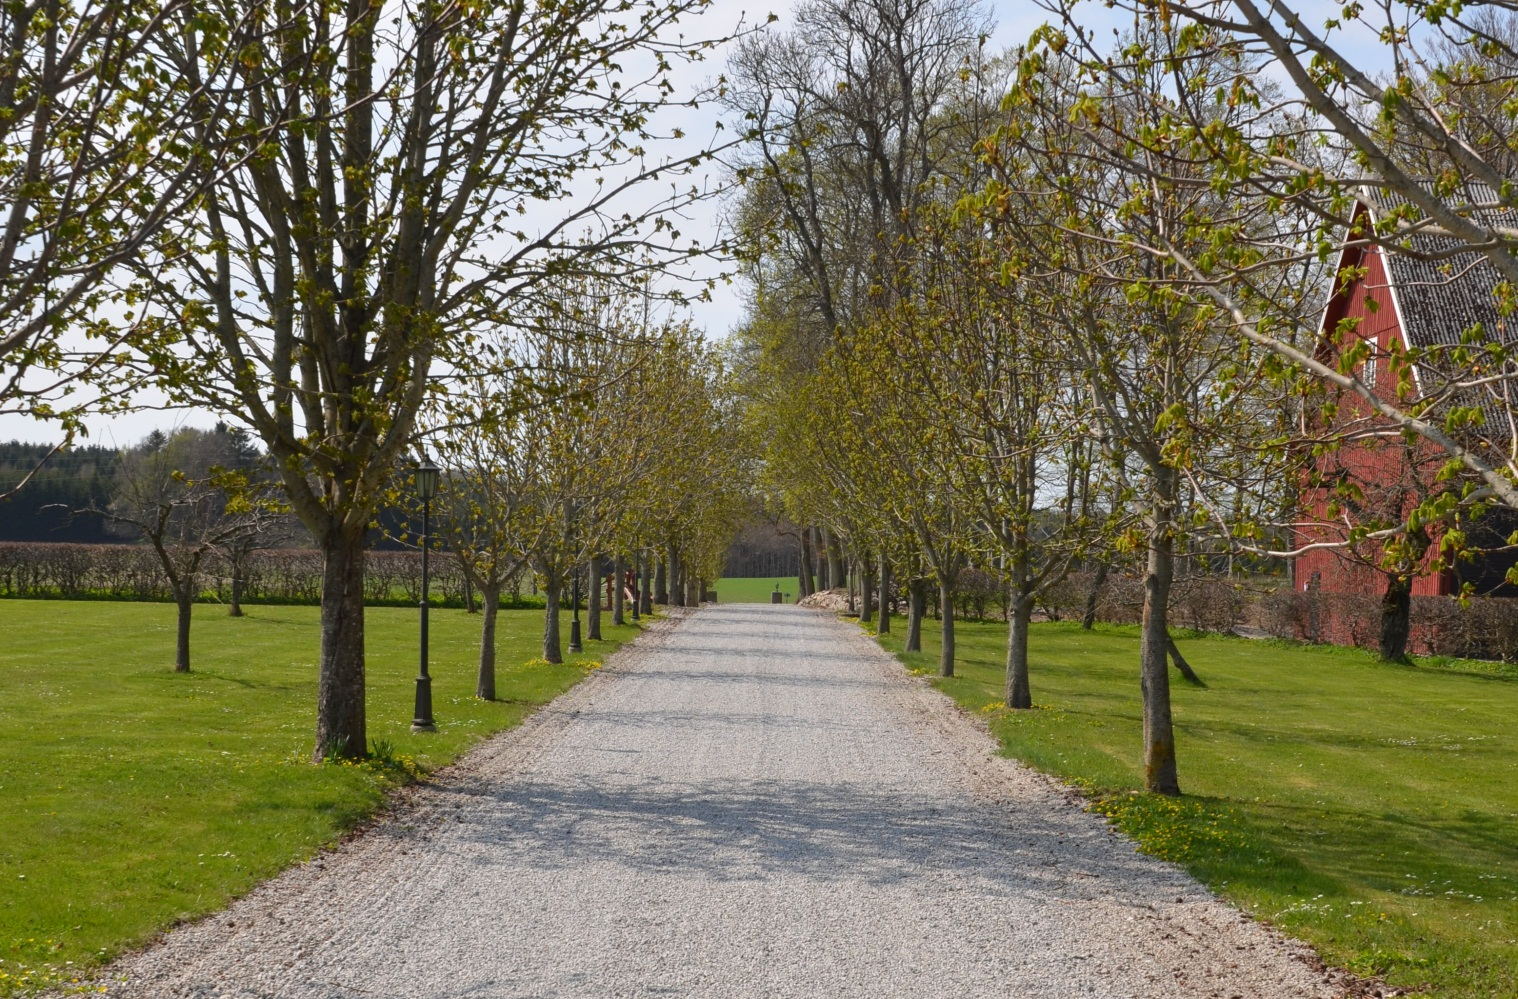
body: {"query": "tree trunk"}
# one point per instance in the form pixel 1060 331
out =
pixel 1089 617
pixel 469 605
pixel 676 578
pixel 1019 693
pixel 946 648
pixel 184 599
pixel 234 609
pixel 340 723
pixel 618 598
pixel 553 650
pixel 917 608
pixel 647 597
pixel 661 584
pixel 1159 731
pixel 806 582
pixel 593 604
pixel 1182 665
pixel 836 571
pixel 884 627
pixel 866 591
pixel 1396 618
pixel 484 685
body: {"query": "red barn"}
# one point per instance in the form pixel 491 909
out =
pixel 1430 296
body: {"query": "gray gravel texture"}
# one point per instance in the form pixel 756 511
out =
pixel 750 801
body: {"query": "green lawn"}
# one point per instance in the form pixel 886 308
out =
pixel 1369 809
pixel 754 590
pixel 131 797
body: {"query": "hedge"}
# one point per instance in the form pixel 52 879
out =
pixel 1484 628
pixel 270 576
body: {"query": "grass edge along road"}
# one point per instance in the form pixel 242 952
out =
pixel 1368 809
pixel 132 798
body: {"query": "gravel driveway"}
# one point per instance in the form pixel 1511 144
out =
pixel 753 801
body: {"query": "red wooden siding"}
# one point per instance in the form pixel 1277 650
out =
pixel 1384 463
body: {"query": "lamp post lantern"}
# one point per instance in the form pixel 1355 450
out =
pixel 575 644
pixel 426 488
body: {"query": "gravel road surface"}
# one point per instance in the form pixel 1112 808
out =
pixel 750 801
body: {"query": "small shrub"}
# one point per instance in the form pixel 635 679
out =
pixel 1207 603
pixel 1283 613
pixel 1065 598
pixel 975 591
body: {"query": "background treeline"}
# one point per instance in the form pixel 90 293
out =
pixel 63 486
pixel 58 484
pixel 266 576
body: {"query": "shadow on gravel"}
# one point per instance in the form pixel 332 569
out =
pixel 781 654
pixel 748 721
pixel 756 830
pixel 748 678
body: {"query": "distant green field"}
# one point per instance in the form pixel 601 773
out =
pixel 755 590
pixel 1370 809
pixel 132 797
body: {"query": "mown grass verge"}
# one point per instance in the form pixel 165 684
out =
pixel 754 589
pixel 132 798
pixel 1369 809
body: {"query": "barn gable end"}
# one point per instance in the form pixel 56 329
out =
pixel 1430 296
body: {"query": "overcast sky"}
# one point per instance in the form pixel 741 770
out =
pixel 1015 20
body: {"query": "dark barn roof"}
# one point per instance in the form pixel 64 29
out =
pixel 1441 288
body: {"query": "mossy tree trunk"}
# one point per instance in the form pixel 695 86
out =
pixel 553 648
pixel 946 610
pixel 490 600
pixel 1159 731
pixel 866 591
pixel 1019 690
pixel 340 716
pixel 917 609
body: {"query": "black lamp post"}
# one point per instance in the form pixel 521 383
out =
pixel 426 488
pixel 574 625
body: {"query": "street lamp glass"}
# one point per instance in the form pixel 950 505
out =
pixel 426 480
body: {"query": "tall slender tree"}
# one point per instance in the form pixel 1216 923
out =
pixel 372 230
